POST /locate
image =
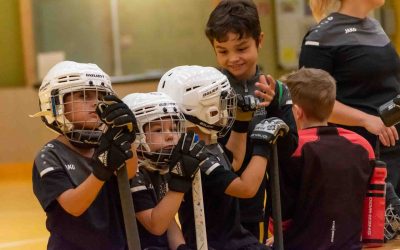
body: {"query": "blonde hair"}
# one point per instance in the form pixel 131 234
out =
pixel 320 8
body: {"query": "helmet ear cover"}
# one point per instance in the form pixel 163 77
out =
pixel 204 96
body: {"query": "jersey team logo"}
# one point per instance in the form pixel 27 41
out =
pixel 70 166
pixel 350 30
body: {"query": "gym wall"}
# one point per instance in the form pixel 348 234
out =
pixel 155 36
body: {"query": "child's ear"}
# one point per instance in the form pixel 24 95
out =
pixel 298 112
pixel 260 40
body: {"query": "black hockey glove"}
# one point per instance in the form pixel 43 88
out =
pixel 209 163
pixel 184 163
pixel 265 133
pixel 246 105
pixel 113 112
pixel 114 149
pixel 247 102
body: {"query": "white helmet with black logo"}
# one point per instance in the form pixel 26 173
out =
pixel 204 96
pixel 67 78
pixel 156 109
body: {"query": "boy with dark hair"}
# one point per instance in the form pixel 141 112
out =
pixel 208 103
pixel 234 31
pixel 74 174
pixel 323 188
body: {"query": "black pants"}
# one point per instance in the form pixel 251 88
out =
pixel 258 246
pixel 391 155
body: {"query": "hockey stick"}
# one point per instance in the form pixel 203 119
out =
pixel 276 200
pixel 198 210
pixel 128 211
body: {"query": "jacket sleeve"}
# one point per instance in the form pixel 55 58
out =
pixel 317 57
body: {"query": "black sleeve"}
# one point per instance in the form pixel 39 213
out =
pixel 317 57
pixel 51 185
pixel 143 197
pixel 287 144
pixel 290 176
pixel 219 180
pixel 227 152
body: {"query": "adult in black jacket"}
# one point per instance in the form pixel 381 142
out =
pixel 355 50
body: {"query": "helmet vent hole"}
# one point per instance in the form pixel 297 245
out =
pixel 102 83
pixel 165 110
pixel 170 73
pixel 192 88
pixel 163 84
pixel 213 113
pixel 69 78
pixel 91 83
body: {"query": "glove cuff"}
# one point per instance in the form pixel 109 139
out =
pixel 262 149
pixel 240 126
pixel 100 172
pixel 179 184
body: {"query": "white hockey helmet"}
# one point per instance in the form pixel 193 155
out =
pixel 64 78
pixel 151 108
pixel 204 96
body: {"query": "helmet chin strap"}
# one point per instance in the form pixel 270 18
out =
pixel 84 138
pixel 206 128
pixel 157 160
pixel 213 134
pixel 214 137
pixel 149 165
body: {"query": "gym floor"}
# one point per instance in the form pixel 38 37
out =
pixel 22 220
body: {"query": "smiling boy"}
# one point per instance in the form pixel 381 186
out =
pixel 234 31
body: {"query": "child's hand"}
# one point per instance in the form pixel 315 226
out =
pixel 266 90
pixel 184 163
pixel 113 112
pixel 270 241
pixel 247 102
pixel 265 133
pixel 114 149
pixel 268 130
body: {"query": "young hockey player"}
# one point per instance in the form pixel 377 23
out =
pixel 234 31
pixel 209 104
pixel 72 179
pixel 157 193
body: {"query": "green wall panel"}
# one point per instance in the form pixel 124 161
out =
pixel 11 61
pixel 79 28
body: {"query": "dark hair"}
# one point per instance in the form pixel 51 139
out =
pixel 314 90
pixel 236 16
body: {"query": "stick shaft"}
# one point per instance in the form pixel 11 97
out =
pixel 128 210
pixel 198 209
pixel 276 201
